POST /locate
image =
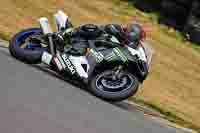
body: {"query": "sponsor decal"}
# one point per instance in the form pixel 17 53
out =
pixel 61 60
pixel 58 64
pixel 68 63
pixel 46 58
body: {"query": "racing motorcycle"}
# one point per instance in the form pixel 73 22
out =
pixel 109 70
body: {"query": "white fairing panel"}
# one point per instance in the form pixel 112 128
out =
pixel 61 19
pixel 44 24
pixel 139 52
pixel 114 39
pixel 149 51
pixel 144 52
pixel 77 62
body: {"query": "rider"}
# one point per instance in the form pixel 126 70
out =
pixel 129 36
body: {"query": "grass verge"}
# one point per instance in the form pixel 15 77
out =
pixel 168 115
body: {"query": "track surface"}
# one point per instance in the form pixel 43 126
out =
pixel 34 101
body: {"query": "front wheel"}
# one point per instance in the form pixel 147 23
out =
pixel 114 88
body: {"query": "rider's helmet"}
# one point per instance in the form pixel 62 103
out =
pixel 129 35
pixel 134 33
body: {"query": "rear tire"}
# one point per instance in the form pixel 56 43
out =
pixel 25 55
pixel 114 96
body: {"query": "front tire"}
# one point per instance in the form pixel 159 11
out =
pixel 119 93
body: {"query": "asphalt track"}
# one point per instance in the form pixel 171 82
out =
pixel 35 101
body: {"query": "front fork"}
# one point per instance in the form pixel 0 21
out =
pixel 51 45
pixel 142 68
pixel 46 28
pixel 118 69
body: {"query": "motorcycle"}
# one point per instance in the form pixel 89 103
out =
pixel 110 71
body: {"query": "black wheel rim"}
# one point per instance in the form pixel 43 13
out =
pixel 106 83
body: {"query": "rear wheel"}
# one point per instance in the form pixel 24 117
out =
pixel 111 87
pixel 26 50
